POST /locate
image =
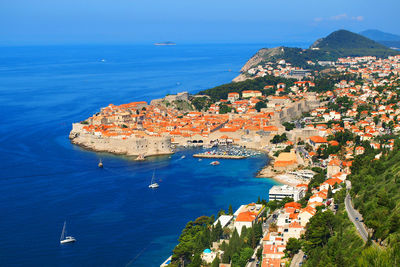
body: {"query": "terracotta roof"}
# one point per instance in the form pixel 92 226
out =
pixel 318 139
pixel 246 216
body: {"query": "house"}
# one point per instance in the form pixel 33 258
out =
pixel 305 215
pixel 292 230
pixel 316 141
pixel 273 251
pixel 251 93
pixel 286 161
pixel 334 167
pixel 247 215
pixel 232 97
pixel 330 183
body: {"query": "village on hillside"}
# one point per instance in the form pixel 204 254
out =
pixel 312 138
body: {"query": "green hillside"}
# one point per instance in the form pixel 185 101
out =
pixel 345 43
pixel 376 191
pixel 332 240
pixel 338 44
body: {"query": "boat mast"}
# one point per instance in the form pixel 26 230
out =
pixel 63 231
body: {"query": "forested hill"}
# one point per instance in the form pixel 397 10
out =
pixel 376 193
pixel 340 43
pixel 332 240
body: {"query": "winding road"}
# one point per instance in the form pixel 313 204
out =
pixel 354 215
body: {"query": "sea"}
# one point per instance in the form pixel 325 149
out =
pixel 116 219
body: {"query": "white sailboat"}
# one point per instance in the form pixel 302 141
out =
pixel 66 239
pixel 152 183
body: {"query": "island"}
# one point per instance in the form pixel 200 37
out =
pixel 165 43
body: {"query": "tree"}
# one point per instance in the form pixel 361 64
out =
pixel 292 247
pixel 196 262
pixel 288 126
pixel 223 109
pixel 319 229
pixel 329 192
pixel 216 262
pixel 260 105
pixel 217 232
pixel 230 210
pixel 279 138
pixel 221 212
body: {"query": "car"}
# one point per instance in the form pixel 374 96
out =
pixel 357 219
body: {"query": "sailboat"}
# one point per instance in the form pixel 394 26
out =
pixel 152 183
pixel 66 239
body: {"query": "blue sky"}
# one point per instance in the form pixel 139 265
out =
pixel 188 21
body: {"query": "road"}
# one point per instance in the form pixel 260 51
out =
pixel 297 259
pixel 353 214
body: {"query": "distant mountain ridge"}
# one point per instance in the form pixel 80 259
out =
pixel 387 39
pixel 378 35
pixel 341 43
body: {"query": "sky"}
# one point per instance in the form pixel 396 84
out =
pixel 45 22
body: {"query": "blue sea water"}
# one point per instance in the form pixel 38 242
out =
pixel 116 218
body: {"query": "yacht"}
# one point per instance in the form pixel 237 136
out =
pixel 66 239
pixel 152 183
pixel 215 163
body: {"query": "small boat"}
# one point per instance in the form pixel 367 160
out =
pixel 152 183
pixel 100 164
pixel 200 159
pixel 66 239
pixel 215 163
pixel 140 157
pixel 183 157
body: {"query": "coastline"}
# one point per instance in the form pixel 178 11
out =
pixel 267 172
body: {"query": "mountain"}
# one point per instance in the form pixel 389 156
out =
pixel 387 39
pixel 378 35
pixel 340 43
pixel 347 42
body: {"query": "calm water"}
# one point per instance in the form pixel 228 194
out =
pixel 116 219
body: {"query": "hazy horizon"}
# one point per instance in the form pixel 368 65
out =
pixel 46 22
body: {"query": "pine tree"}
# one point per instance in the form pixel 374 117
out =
pixel 216 262
pixel 329 192
pixel 230 210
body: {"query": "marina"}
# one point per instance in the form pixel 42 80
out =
pixel 227 152
pixel 218 156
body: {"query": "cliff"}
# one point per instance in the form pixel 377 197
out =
pixel 262 55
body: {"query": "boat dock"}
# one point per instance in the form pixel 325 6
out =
pixel 218 156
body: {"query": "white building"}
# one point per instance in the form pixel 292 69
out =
pixel 279 192
pixel 224 220
pixel 247 215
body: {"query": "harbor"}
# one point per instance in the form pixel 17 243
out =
pixel 227 152
pixel 218 156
